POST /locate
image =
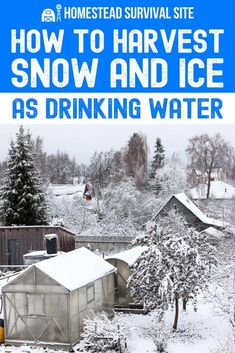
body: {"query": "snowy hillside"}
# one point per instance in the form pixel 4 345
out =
pixel 219 190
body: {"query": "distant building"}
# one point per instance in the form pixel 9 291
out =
pixel 88 192
pixel 192 214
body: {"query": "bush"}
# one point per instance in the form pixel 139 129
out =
pixel 102 334
pixel 160 334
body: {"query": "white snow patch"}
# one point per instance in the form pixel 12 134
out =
pixel 50 236
pixel 218 190
pixel 199 332
pixel 66 189
pixel 42 253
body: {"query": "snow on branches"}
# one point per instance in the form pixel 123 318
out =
pixel 22 196
pixel 176 264
pixel 102 334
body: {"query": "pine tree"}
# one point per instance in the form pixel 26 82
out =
pixel 176 265
pixel 23 201
pixel 158 158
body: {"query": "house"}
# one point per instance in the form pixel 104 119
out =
pixel 88 192
pixel 46 303
pixel 192 214
pixel 123 261
pixel 17 241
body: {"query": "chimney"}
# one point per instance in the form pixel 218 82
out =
pixel 51 243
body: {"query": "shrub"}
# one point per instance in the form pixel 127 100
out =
pixel 102 334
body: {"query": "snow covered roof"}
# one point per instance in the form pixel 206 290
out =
pixel 51 236
pixel 218 190
pixel 185 200
pixel 42 253
pixel 76 268
pixel 213 232
pixel 129 256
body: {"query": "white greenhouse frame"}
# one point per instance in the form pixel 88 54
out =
pixel 38 309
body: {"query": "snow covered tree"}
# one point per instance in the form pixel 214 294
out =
pixel 73 213
pixel 136 159
pixel 23 201
pixel 176 264
pixel 222 293
pixel 61 168
pixel 208 156
pixel 170 179
pixel 118 167
pixel 158 158
pixel 100 168
pixel 41 159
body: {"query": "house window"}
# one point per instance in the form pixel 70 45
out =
pixel 90 293
pixel 35 304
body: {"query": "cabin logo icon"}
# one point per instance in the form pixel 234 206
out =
pixel 49 15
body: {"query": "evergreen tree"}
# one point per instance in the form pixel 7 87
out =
pixel 176 265
pixel 23 201
pixel 158 158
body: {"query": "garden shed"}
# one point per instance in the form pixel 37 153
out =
pixel 123 261
pixel 46 303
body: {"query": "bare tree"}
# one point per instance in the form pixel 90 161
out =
pixel 208 156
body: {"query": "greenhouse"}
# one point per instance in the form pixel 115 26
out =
pixel 123 261
pixel 46 303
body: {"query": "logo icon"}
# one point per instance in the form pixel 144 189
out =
pixel 58 9
pixel 48 15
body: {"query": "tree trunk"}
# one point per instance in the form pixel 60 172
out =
pixel 176 313
pixel 208 188
pixel 184 304
pixel 208 184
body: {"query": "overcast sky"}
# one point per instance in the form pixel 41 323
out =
pixel 82 141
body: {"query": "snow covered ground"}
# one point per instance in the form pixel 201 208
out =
pixel 218 190
pixel 198 332
pixel 66 189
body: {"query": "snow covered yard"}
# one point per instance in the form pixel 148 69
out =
pixel 199 332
